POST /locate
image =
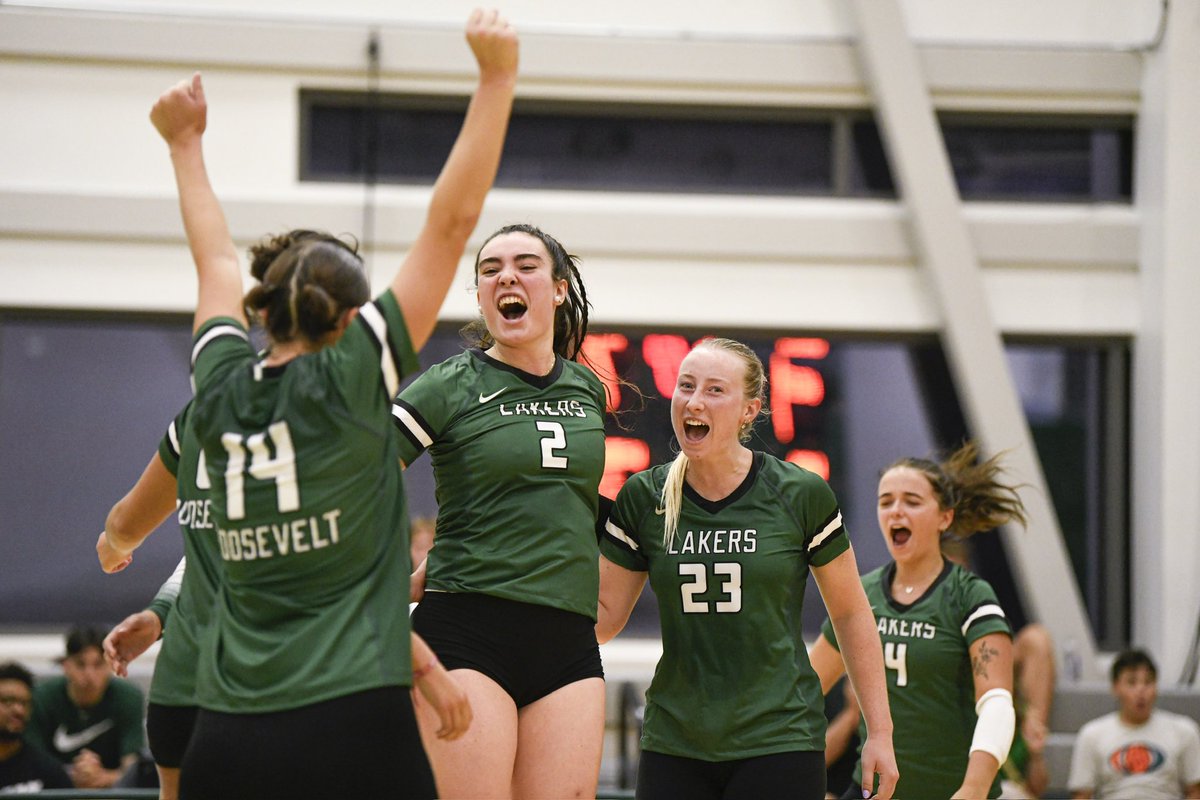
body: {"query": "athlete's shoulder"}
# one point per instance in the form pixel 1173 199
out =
pixel 789 469
pixel 971 601
pixel 965 581
pixel 792 477
pixel 170 447
pixel 451 374
pixel 582 372
pixel 648 482
pixel 642 491
pixel 186 412
pixel 457 365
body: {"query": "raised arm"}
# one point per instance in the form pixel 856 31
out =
pixel 854 623
pixel 180 117
pixel 421 283
pixel 136 515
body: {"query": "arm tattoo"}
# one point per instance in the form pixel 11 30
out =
pixel 979 663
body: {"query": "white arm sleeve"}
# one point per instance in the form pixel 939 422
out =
pixel 996 724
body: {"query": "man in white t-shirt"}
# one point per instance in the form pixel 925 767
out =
pixel 1136 752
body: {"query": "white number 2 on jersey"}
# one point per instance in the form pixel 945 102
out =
pixel 894 658
pixel 555 441
pixel 281 468
pixel 731 587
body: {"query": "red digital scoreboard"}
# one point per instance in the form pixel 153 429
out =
pixel 799 427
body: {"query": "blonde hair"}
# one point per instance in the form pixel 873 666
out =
pixel 754 385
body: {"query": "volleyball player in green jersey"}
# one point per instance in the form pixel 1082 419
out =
pixel 515 429
pixel 303 686
pixel 727 537
pixel 174 478
pixel 946 642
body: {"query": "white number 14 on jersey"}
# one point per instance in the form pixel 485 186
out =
pixel 281 468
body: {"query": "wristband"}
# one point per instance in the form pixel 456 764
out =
pixel 417 674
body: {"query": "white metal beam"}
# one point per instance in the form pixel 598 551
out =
pixel 1165 546
pixel 970 337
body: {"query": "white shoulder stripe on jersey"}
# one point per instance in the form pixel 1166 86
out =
pixel 173 437
pixel 829 530
pixel 378 326
pixel 215 332
pixel 989 610
pixel 414 427
pixel 619 534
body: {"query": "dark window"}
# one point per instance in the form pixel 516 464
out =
pixel 1035 162
pixel 623 148
pixel 356 136
pixel 1027 159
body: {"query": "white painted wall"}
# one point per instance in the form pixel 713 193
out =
pixel 1166 404
pixel 1095 23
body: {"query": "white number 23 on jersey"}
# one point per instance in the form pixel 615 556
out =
pixel 729 573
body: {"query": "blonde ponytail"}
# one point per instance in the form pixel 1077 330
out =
pixel 672 499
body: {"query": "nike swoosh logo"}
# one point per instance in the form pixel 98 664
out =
pixel 660 511
pixel 483 398
pixel 66 742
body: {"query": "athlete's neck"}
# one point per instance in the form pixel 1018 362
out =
pixel 912 578
pixel 717 477
pixel 9 748
pixel 537 361
pixel 283 353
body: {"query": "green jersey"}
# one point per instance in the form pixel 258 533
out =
pixel 734 680
pixel 930 686
pixel 309 513
pixel 518 460
pixel 112 729
pixel 187 617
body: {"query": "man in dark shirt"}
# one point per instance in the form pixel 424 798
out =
pixel 92 722
pixel 23 767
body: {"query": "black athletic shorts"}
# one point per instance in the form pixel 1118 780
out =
pixel 530 650
pixel 362 746
pixel 168 731
pixel 797 775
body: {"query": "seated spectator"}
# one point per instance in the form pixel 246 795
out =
pixel 24 769
pixel 1137 751
pixel 88 719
